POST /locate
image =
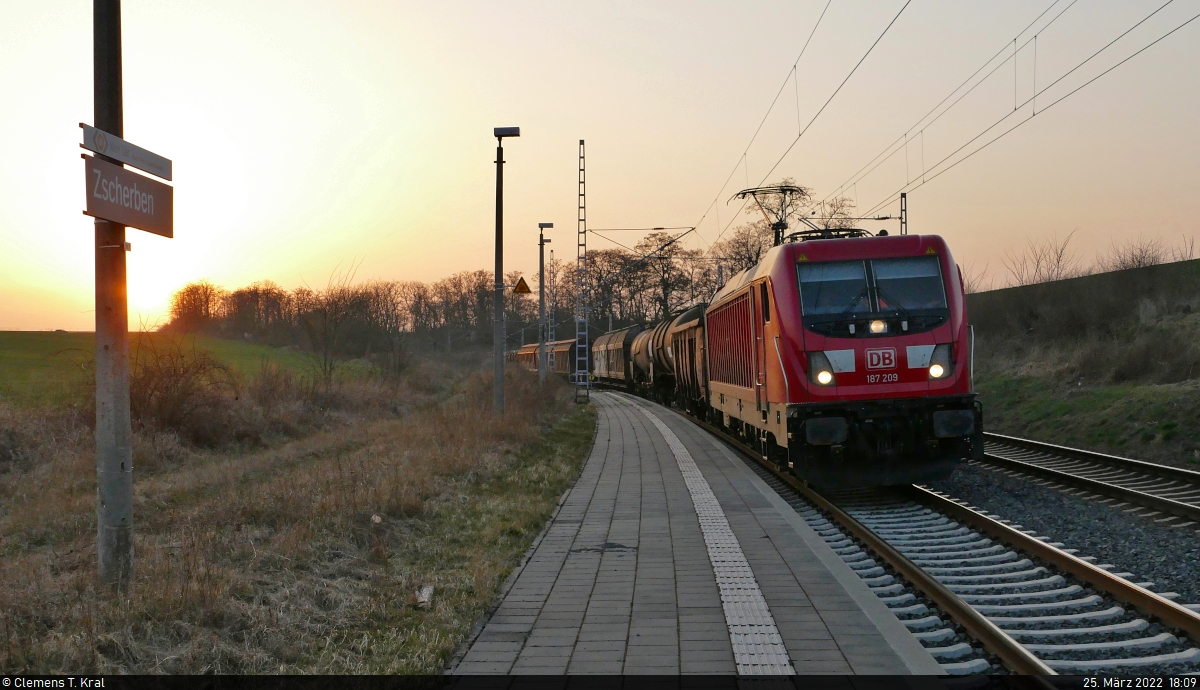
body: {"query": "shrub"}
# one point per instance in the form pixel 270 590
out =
pixel 1160 356
pixel 10 450
pixel 273 385
pixel 174 386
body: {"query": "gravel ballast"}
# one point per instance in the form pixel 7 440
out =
pixel 1168 557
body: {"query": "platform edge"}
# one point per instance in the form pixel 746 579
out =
pixel 465 646
pixel 914 656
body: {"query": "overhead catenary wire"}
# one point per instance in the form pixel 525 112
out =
pixel 835 92
pixel 743 160
pixel 642 258
pixel 814 117
pixel 909 187
pixel 619 244
pixel 731 220
pixel 688 229
pixel 864 171
pixel 678 227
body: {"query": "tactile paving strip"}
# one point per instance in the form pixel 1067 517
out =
pixel 757 647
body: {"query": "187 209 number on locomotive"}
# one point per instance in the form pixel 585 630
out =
pixel 883 378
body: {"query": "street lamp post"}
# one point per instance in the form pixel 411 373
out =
pixel 542 242
pixel 498 305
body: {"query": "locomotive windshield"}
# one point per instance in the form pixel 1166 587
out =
pixel 834 287
pixel 909 283
pixel 837 296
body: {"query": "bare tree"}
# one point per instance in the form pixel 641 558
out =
pixel 464 304
pixel 258 309
pixel 609 273
pixel 388 316
pixel 1042 261
pixel 701 276
pixel 324 320
pixel 976 280
pixel 1186 251
pixel 196 307
pixel 663 274
pixel 1133 253
pixel 832 214
pixel 744 248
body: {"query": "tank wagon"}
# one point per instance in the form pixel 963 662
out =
pixel 847 360
pixel 653 365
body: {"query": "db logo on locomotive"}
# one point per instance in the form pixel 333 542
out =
pixel 881 358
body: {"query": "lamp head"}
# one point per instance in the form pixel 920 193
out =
pixel 543 226
pixel 502 132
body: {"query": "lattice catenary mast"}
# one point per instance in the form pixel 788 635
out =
pixel 581 291
pixel 550 315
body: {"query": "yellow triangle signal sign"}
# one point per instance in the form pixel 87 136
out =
pixel 522 287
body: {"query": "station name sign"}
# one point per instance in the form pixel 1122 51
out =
pixel 125 197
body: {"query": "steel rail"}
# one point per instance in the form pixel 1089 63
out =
pixel 1170 613
pixel 1141 498
pixel 1015 656
pixel 1012 653
pixel 1165 471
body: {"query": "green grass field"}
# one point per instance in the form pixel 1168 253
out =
pixel 44 368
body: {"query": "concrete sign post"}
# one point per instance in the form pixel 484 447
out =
pixel 114 449
pixel 116 197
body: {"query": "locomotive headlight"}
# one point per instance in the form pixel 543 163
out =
pixel 939 362
pixel 879 326
pixel 820 371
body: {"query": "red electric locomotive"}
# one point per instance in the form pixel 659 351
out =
pixel 847 360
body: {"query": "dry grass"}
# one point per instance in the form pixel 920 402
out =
pixel 1162 352
pixel 302 556
pixel 1109 362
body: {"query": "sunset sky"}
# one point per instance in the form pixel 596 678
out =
pixel 308 137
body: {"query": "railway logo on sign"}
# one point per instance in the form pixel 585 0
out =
pixel 124 152
pixel 881 358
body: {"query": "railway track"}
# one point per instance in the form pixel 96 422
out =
pixel 1074 616
pixel 984 595
pixel 1170 495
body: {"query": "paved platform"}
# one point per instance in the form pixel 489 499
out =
pixel 670 556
